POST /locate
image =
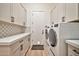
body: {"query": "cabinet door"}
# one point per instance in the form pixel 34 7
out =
pixel 71 11
pixel 61 12
pixel 21 14
pixel 18 14
pixel 15 13
pixel 73 51
pixel 5 12
pixel 26 44
pixel 16 52
pixel 24 17
pixel 54 15
pixel 15 49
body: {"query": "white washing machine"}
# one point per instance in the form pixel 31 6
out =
pixel 54 38
pixel 47 43
pixel 63 31
pixel 59 46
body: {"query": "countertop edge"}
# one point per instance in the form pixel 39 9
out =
pixel 13 41
pixel 70 42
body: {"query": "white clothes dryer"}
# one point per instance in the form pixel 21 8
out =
pixel 63 31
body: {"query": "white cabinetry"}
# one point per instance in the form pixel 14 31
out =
pixel 18 48
pixel 13 13
pixel 71 12
pixel 65 11
pixel 5 12
pixel 73 51
pixel 61 12
pixel 54 15
pixel 19 14
pixel 58 13
pixel 27 43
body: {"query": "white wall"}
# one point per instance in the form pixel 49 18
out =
pixel 37 7
pixel 69 31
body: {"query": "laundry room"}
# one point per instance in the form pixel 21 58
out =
pixel 39 29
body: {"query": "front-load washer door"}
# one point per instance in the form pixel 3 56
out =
pixel 52 37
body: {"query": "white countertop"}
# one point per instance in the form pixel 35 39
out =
pixel 11 39
pixel 74 43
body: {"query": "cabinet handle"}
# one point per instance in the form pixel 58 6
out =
pixel 63 19
pixel 12 19
pixel 76 51
pixel 21 47
pixel 21 41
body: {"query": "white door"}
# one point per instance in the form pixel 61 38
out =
pixel 38 22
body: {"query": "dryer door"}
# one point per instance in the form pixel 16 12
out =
pixel 52 37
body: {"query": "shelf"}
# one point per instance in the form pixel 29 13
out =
pixel 12 23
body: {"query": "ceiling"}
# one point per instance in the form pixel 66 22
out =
pixel 45 6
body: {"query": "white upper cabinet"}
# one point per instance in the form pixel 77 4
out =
pixel 5 12
pixel 54 15
pixel 65 12
pixel 71 12
pixel 58 13
pixel 19 14
pixel 13 13
pixel 61 12
pixel 22 14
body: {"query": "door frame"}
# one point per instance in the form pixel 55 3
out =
pixel 31 19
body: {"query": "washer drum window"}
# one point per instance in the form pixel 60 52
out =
pixel 52 37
